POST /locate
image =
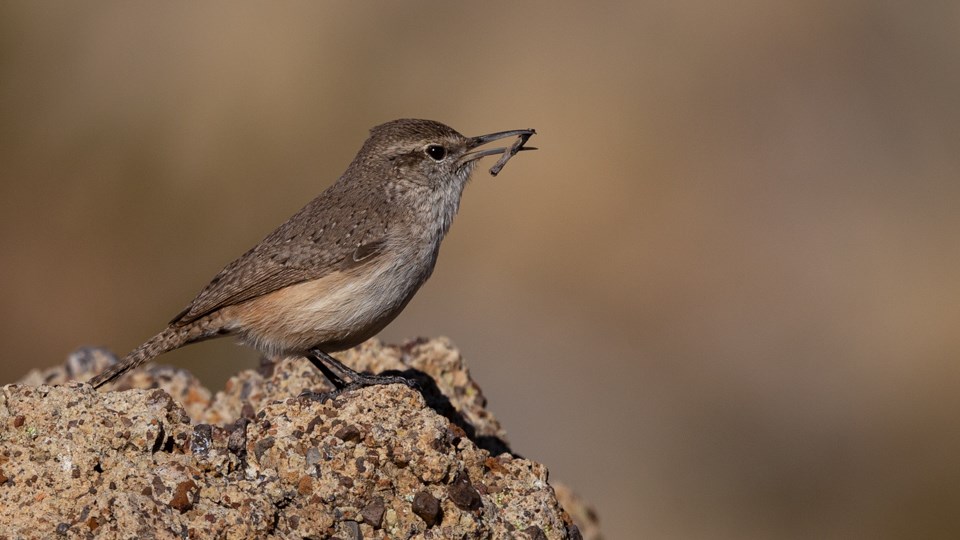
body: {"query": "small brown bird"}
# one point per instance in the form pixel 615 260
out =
pixel 345 265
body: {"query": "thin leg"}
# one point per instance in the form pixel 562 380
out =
pixel 337 381
pixel 336 372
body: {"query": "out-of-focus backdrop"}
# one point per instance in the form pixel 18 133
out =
pixel 722 301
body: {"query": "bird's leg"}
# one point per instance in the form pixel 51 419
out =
pixel 335 379
pixel 345 378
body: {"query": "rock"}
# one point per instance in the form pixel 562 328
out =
pixel 165 458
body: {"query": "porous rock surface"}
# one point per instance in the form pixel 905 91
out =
pixel 165 458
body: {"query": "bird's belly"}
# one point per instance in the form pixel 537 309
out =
pixel 335 312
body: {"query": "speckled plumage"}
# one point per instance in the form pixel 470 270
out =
pixel 347 263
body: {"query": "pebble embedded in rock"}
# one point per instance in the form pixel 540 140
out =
pixel 463 494
pixel 427 507
pixel 535 533
pixel 185 496
pixel 349 434
pixel 373 512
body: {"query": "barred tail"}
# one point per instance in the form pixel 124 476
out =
pixel 173 337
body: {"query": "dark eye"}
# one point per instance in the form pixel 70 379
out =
pixel 436 151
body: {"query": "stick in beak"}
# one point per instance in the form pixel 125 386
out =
pixel 505 153
pixel 512 151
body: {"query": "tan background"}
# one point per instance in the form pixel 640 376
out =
pixel 722 301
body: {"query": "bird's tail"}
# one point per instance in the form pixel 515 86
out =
pixel 172 337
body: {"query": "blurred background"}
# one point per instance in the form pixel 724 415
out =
pixel 722 301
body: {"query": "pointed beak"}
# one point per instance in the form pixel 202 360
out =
pixel 506 151
pixel 474 142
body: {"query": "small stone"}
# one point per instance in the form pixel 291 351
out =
pixel 185 496
pixel 390 517
pixel 463 494
pixel 348 434
pixel 351 531
pixel 313 456
pixel 427 507
pixel 247 411
pixel 158 486
pixel 262 446
pixel 535 533
pixel 373 512
pixel 316 421
pixel 202 439
pixel 237 441
pixel 305 485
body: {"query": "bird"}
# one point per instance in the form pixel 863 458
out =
pixel 343 267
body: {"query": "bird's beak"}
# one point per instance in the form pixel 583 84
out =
pixel 507 151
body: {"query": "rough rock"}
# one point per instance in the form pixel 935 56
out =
pixel 165 458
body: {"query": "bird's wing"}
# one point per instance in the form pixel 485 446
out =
pixel 270 266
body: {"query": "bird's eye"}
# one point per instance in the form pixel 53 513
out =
pixel 436 151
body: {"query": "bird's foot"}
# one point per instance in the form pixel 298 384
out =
pixel 344 378
pixel 362 380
